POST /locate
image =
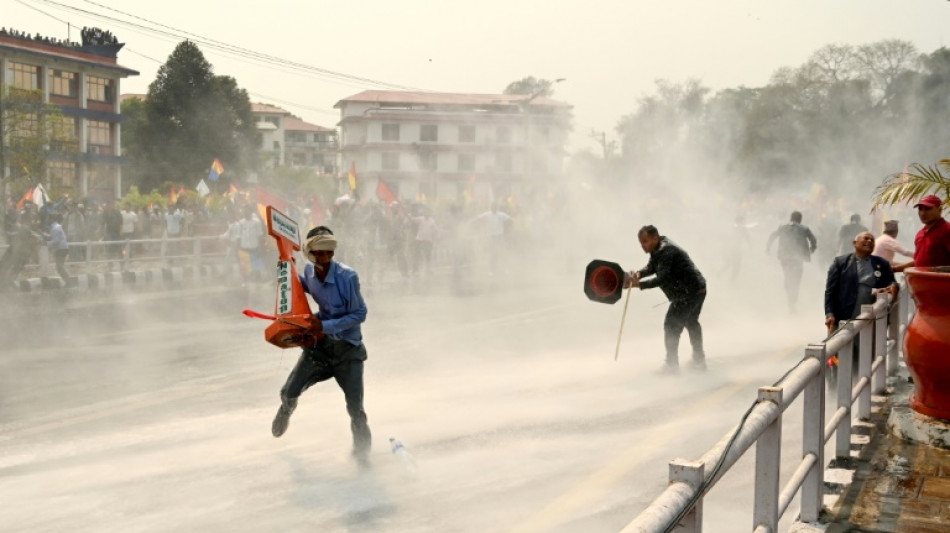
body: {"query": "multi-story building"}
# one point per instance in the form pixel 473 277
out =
pixel 441 145
pixel 288 141
pixel 84 82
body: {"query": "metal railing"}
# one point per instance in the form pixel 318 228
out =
pixel 879 330
pixel 125 255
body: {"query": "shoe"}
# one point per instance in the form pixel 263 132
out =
pixel 668 370
pixel 282 420
pixel 698 365
pixel 362 459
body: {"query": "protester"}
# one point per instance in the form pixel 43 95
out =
pixel 339 352
pixel 886 246
pixel 426 230
pixel 671 269
pixel 493 223
pixel 796 243
pixel 848 232
pixel 58 246
pixel 932 244
pixel 249 253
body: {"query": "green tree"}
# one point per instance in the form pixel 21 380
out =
pixel 29 128
pixel 531 86
pixel 190 118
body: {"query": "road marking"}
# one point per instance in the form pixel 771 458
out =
pixel 589 491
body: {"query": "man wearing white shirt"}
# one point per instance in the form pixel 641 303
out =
pixel 493 223
pixel 887 245
pixel 252 231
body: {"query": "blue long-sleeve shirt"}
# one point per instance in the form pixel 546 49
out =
pixel 57 238
pixel 341 305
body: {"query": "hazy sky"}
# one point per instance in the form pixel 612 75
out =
pixel 609 52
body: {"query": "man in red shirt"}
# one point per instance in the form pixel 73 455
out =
pixel 933 240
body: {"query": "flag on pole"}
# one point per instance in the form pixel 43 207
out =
pixel 216 170
pixel 203 189
pixel 353 176
pixel 40 198
pixel 27 197
pixel 384 193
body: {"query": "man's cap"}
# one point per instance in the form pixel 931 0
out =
pixel 890 225
pixel 931 200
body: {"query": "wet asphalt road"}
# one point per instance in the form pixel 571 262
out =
pixel 151 412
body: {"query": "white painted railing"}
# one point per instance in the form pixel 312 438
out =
pixel 879 331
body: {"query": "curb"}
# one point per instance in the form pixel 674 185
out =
pixel 134 279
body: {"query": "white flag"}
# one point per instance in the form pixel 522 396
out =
pixel 202 188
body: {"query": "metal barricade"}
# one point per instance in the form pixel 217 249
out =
pixel 878 331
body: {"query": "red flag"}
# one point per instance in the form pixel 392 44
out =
pixel 27 197
pixel 384 193
pixel 266 198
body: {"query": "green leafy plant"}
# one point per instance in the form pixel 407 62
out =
pixel 912 184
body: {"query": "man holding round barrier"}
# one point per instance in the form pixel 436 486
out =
pixel 671 269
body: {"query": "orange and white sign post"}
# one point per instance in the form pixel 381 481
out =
pixel 292 315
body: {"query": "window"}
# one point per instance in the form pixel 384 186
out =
pixel 466 134
pixel 62 174
pixel 466 163
pixel 429 133
pixel 390 160
pixel 99 133
pixel 503 163
pixel 390 132
pixel 99 89
pixel 26 125
pixel 64 138
pixel 504 135
pixel 296 136
pixel 429 161
pixel 62 83
pixel 25 76
pixel 273 120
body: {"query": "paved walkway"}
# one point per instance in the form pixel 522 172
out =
pixel 898 486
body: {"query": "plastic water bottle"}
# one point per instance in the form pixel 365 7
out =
pixel 400 451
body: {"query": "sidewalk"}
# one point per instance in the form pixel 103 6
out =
pixel 898 485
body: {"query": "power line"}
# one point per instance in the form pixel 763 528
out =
pixel 233 50
pixel 275 99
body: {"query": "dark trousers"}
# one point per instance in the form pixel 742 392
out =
pixel 684 314
pixel 793 279
pixel 60 256
pixel 342 361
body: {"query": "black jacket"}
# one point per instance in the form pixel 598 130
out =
pixel 675 274
pixel 841 288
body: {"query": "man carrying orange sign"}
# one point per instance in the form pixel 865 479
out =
pixel 338 351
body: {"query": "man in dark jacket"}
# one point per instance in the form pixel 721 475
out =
pixel 854 280
pixel 796 243
pixel 671 269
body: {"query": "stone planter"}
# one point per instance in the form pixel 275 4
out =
pixel 927 342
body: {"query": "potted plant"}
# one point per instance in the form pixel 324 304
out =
pixel 927 340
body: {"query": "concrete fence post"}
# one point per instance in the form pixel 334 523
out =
pixel 768 459
pixel 691 473
pixel 813 436
pixel 843 392
pixel 879 378
pixel 865 346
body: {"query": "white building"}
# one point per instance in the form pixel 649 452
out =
pixel 288 141
pixel 444 145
